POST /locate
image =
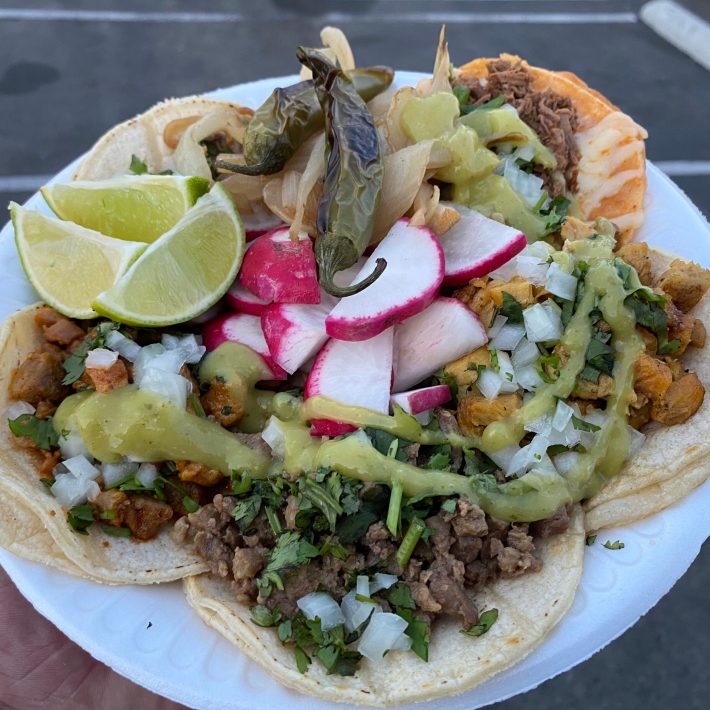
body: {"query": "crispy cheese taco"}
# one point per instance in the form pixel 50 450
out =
pixel 386 465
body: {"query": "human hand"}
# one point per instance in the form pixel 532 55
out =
pixel 41 668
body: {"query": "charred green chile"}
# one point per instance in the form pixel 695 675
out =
pixel 290 116
pixel 353 175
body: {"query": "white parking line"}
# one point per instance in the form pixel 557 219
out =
pixel 549 18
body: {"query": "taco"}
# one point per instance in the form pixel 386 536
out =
pixel 599 151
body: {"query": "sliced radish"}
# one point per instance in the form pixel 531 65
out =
pixel 476 245
pixel 358 374
pixel 245 329
pixel 444 332
pixel 278 269
pixel 245 301
pixel 294 333
pixel 415 269
pixel 421 401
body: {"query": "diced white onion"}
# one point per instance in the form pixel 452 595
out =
pixel 532 268
pixel 101 358
pixel 563 415
pixel 529 378
pixel 321 605
pixel 508 337
pixel 173 387
pixel 382 581
pixel 542 323
pixel 92 491
pixel 381 635
pixel 636 439
pixel 561 283
pixel 498 322
pixel 527 185
pixel 566 461
pixel 540 425
pixel 156 357
pixel 528 456
pixel 530 263
pixel 356 612
pixel 146 474
pixel 362 585
pixel 503 457
pixel 114 473
pixel 542 250
pixel 81 467
pixel 124 346
pixel 489 383
pixel 362 437
pixel 73 445
pixel 188 346
pixel 275 437
pixel 506 373
pixel 19 408
pixel 525 353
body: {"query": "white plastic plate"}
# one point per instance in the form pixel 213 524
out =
pixel 150 635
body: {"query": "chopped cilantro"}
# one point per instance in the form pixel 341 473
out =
pixel 511 308
pixel 591 539
pixel 648 308
pixel 302 659
pixel 285 630
pixel 600 356
pixel 80 518
pixel 616 545
pixel 246 510
pixel 582 425
pixel 449 505
pixel 551 362
pixel 75 363
pixel 400 596
pixel 190 504
pixel 440 460
pixel 418 631
pixel 261 615
pixel 291 550
pixel 137 166
pixel 116 531
pixel 384 442
pixel 485 621
pixel 322 499
pixel 41 431
pixel 497 102
pixel 556 213
pixel 109 514
pixel 463 94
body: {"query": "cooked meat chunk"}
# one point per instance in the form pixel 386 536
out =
pixel 640 415
pixel 39 377
pixel 652 377
pixel 290 512
pixel 221 403
pixel 601 389
pixel 555 525
pixel 51 459
pixel 445 579
pixel 465 369
pixel 143 515
pixel 636 255
pixel 45 409
pixel 63 332
pixel 680 327
pixel 175 496
pixel 475 411
pixel 469 519
pixel 198 473
pixel 520 289
pixel 105 379
pixel 685 282
pixel 697 336
pixel 379 543
pixel 248 562
pixel 574 229
pixel 485 297
pixel 650 340
pixel 682 399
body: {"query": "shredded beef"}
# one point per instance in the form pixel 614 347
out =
pixel 553 117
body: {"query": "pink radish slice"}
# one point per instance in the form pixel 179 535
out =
pixel 294 333
pixel 420 402
pixel 245 329
pixel 276 269
pixel 245 301
pixel 415 270
pixel 476 245
pixel 358 374
pixel 445 331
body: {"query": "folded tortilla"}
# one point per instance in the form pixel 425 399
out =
pixel 28 507
pixel 611 182
pixel 528 609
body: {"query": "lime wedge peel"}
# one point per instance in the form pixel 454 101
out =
pixel 185 271
pixel 69 265
pixel 135 207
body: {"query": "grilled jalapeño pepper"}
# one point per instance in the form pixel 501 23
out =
pixel 290 116
pixel 353 175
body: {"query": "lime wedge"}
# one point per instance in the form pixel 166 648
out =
pixel 135 207
pixel 185 271
pixel 69 265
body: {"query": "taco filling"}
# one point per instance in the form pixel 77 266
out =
pixel 398 523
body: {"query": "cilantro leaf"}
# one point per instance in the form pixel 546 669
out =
pixel 291 550
pixel 616 545
pixel 485 621
pixel 400 596
pixel 511 308
pixel 41 431
pixel 80 518
pixel 449 505
pixel 261 615
pixel 463 94
pixel 600 356
pixel 246 510
pixel 591 539
pixel 302 659
pixel 137 166
pixel 582 425
pixel 556 213
pixel 74 365
pixel 384 442
pixel 497 102
pixel 418 631
pixel 190 504
pixel 116 531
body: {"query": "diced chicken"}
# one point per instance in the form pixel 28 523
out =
pixel 652 377
pixel 51 459
pixel 56 328
pixel 39 377
pixel 485 297
pixel 685 282
pixel 221 403
pixel 680 327
pixel 574 229
pixel 45 409
pixel 697 335
pixel 105 379
pixel 465 369
pixel 601 389
pixel 198 473
pixel 475 411
pixel 649 339
pixel 682 399
pixel 636 255
pixel 520 289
